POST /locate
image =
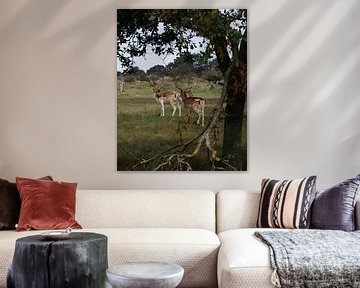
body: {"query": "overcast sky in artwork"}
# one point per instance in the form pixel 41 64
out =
pixel 149 60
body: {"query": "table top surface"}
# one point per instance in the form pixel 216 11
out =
pixel 72 237
pixel 146 270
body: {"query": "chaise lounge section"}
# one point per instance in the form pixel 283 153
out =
pixel 244 260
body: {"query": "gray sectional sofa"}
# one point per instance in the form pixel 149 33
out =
pixel 209 234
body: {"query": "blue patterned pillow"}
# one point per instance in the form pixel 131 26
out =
pixel 334 208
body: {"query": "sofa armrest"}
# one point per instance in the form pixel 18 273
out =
pixel 357 215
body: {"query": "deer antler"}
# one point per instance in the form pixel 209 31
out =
pixel 194 81
pixel 186 87
pixel 177 84
pixel 151 82
pixel 156 84
pixel 161 83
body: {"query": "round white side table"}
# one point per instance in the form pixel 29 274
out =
pixel 145 275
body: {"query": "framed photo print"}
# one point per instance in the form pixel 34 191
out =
pixel 181 89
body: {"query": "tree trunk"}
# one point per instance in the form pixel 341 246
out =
pixel 234 112
pixel 233 130
pixel 79 261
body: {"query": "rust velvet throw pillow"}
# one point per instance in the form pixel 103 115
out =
pixel 46 204
pixel 10 204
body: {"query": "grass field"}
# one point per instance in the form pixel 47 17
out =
pixel 142 133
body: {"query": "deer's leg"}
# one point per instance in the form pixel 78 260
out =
pixel 198 121
pixel 188 116
pixel 162 109
pixel 179 107
pixel 174 109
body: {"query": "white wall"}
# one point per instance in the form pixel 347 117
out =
pixel 58 93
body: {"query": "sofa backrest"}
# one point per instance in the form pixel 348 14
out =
pixel 239 209
pixel 236 209
pixel 146 209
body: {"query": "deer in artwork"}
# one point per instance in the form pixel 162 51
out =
pixel 168 97
pixel 192 103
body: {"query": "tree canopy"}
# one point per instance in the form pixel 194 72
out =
pixel 180 30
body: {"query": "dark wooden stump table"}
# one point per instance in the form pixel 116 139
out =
pixel 79 261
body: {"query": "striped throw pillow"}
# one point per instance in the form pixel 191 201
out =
pixel 286 204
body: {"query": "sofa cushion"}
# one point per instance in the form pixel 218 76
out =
pixel 153 209
pixel 334 208
pixel 286 204
pixel 244 261
pixel 196 250
pixel 46 204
